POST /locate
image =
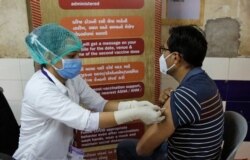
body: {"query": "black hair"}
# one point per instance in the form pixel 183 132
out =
pixel 43 65
pixel 38 66
pixel 190 42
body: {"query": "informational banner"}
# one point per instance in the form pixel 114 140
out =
pixel 121 40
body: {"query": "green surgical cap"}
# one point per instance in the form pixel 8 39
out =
pixel 49 43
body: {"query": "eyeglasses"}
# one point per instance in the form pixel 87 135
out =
pixel 163 49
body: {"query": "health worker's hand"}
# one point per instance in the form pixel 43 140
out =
pixel 134 104
pixel 147 115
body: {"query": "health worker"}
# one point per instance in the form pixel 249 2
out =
pixel 54 96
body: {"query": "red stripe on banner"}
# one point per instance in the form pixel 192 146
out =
pixel 35 11
pixel 36 24
pixel 157 46
pixel 36 18
pixel 37 14
pixel 35 7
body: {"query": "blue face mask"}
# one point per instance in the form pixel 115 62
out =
pixel 70 69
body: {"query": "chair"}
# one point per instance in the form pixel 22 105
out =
pixel 235 130
pixel 4 156
pixel 9 129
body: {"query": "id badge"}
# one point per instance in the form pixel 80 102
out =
pixel 75 153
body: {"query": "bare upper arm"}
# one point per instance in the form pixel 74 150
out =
pixel 111 106
pixel 156 133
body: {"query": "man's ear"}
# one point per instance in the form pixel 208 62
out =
pixel 177 57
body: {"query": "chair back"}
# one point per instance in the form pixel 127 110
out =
pixel 9 129
pixel 4 156
pixel 235 130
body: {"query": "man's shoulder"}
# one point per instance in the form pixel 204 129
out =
pixel 201 84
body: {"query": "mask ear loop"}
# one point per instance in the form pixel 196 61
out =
pixel 59 68
pixel 167 58
pixel 171 67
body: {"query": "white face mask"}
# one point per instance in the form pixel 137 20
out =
pixel 163 65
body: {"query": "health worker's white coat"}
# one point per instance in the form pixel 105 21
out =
pixel 49 113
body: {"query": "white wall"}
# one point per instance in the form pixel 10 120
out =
pixel 14 73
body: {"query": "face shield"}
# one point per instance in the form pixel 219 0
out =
pixel 50 43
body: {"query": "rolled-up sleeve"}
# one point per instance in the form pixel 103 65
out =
pixel 53 104
pixel 89 97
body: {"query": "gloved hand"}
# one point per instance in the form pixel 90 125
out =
pixel 134 104
pixel 147 115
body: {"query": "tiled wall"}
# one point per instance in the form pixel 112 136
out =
pixel 230 74
pixel 234 86
pixel 14 73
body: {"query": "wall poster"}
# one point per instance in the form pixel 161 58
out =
pixel 121 41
